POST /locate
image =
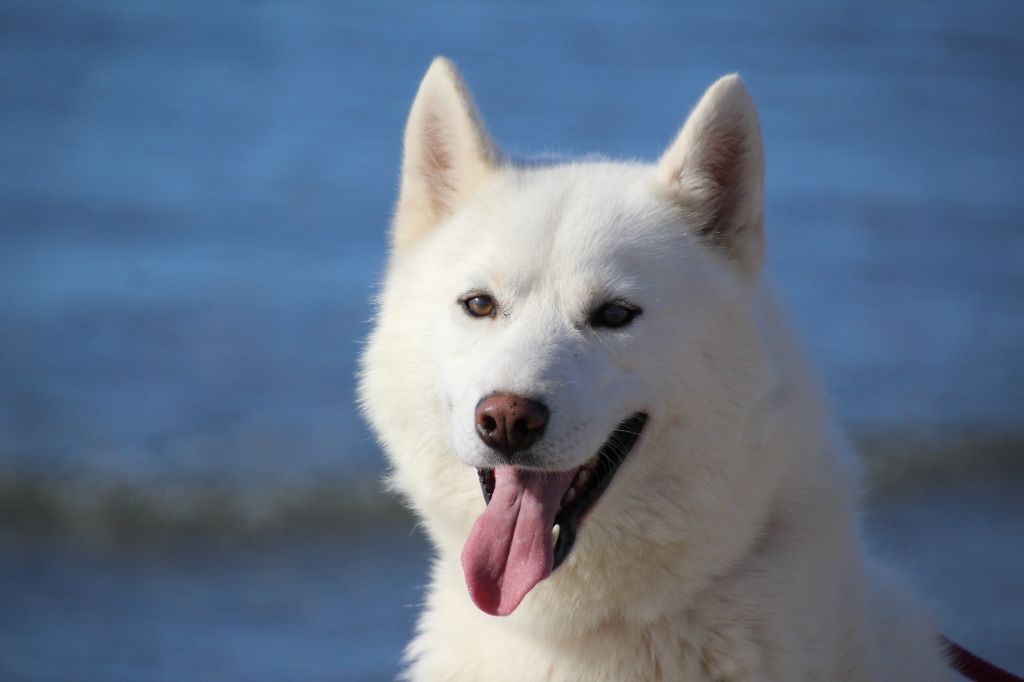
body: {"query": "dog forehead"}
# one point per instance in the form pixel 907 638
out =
pixel 574 216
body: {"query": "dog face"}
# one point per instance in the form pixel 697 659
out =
pixel 574 290
pixel 588 316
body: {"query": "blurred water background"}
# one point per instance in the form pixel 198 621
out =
pixel 194 200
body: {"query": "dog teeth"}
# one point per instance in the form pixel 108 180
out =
pixel 579 483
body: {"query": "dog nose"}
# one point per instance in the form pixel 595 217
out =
pixel 510 423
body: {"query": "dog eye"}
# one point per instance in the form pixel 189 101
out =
pixel 613 315
pixel 478 305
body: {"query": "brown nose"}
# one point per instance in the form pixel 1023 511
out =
pixel 510 423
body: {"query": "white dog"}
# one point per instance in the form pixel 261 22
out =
pixel 590 399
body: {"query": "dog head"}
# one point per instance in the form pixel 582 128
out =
pixel 543 320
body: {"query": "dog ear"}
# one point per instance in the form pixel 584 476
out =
pixel 714 170
pixel 447 151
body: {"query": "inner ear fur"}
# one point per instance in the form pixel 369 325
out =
pixel 447 151
pixel 714 171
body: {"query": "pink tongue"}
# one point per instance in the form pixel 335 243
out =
pixel 509 549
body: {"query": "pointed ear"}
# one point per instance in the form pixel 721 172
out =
pixel 714 170
pixel 447 152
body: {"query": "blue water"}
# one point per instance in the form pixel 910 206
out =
pixel 194 198
pixel 313 608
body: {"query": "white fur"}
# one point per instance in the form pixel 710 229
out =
pixel 726 547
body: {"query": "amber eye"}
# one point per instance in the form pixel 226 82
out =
pixel 613 315
pixel 478 305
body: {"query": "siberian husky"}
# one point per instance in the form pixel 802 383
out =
pixel 591 401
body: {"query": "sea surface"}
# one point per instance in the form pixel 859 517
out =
pixel 194 204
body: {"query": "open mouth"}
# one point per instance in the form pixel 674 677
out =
pixel 591 479
pixel 510 547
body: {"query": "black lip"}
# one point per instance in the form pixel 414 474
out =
pixel 609 458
